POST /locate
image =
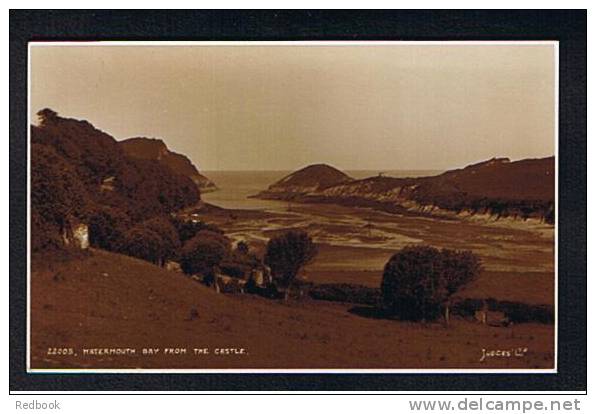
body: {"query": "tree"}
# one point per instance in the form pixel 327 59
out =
pixel 57 195
pixel 155 189
pixel 418 281
pixel 143 243
pixel 169 237
pixel 47 116
pixel 203 252
pixel 242 247
pixel 287 254
pixel 107 227
pixel 154 240
pixel 460 268
pixel 240 261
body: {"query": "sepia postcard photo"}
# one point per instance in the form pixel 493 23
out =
pixel 293 206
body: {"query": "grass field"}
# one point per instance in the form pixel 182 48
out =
pixel 106 300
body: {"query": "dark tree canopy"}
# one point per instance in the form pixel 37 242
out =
pixel 459 269
pixel 288 253
pixel 161 242
pixel 46 116
pixel 57 195
pixel 169 236
pixel 242 247
pixel 107 227
pixel 143 243
pixel 70 162
pixel 203 252
pixel 419 280
pixel 240 261
pixel 142 188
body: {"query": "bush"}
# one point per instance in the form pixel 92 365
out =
pixel 287 254
pixel 418 281
pixel 203 252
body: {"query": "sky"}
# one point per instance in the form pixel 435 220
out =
pixel 274 107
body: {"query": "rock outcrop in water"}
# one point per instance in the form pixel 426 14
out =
pixel 497 187
pixel 156 149
pixel 312 179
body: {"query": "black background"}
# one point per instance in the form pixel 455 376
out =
pixel 566 26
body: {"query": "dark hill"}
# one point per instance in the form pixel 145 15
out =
pixel 78 170
pixel 523 188
pixel 156 149
pixel 315 177
pixel 498 187
pixel 530 179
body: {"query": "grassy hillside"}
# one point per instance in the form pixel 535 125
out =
pixel 109 300
pixel 529 179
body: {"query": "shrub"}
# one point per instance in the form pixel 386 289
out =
pixel 418 281
pixel 203 252
pixel 287 254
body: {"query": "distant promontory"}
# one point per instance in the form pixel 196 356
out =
pixel 312 179
pixel 497 187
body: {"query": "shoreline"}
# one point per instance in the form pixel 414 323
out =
pixel 412 208
pixel 516 254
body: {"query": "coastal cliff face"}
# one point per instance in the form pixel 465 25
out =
pixel 156 149
pixel 497 188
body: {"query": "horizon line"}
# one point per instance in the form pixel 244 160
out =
pixel 201 170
